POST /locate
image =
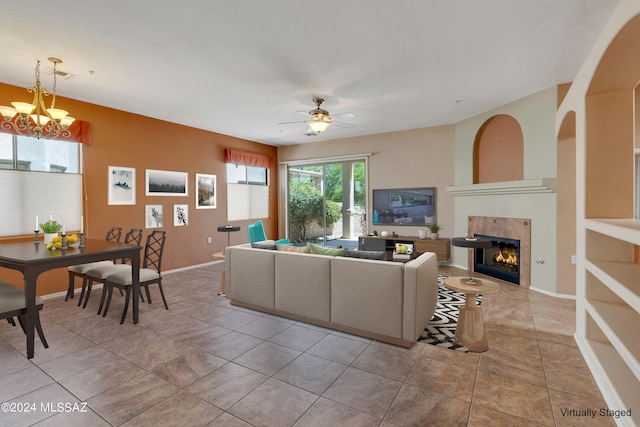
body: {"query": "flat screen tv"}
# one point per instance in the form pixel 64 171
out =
pixel 404 206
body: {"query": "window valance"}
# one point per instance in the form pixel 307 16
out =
pixel 246 158
pixel 80 132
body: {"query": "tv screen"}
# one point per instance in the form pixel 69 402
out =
pixel 404 206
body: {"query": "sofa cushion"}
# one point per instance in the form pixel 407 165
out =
pixel 379 255
pixel 265 244
pixel 323 250
pixel 367 295
pixel 290 248
pixel 303 285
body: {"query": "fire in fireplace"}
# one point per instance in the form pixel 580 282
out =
pixel 501 260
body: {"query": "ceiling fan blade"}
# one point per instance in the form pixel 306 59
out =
pixel 343 125
pixel 291 123
pixel 345 115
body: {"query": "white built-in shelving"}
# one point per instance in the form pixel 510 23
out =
pixel 612 309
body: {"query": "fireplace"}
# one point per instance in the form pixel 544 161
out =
pixel 501 260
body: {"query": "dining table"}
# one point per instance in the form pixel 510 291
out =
pixel 32 258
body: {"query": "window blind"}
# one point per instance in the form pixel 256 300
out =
pixel 25 194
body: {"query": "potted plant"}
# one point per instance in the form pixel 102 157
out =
pixel 50 229
pixel 435 229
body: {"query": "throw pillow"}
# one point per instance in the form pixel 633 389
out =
pixel 264 244
pixel 381 255
pixel 289 248
pixel 323 250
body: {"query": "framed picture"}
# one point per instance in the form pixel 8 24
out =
pixel 122 185
pixel 205 191
pixel 180 215
pixel 166 183
pixel 153 216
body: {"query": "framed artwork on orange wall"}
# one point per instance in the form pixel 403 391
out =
pixel 205 191
pixel 122 186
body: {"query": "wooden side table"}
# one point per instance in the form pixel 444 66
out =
pixel 470 331
pixel 222 290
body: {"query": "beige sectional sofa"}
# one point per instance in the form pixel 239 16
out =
pixel 387 301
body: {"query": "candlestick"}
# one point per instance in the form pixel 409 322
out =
pixel 81 244
pixel 37 241
pixel 64 241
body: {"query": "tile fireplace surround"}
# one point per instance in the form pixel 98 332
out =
pixel 510 228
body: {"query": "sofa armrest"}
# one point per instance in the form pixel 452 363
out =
pixel 250 275
pixel 420 294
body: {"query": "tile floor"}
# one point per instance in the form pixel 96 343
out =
pixel 205 362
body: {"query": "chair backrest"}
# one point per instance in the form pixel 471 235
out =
pixel 255 232
pixel 114 234
pixel 153 250
pixel 133 237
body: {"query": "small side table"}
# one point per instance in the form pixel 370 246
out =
pixel 470 331
pixel 222 290
pixel 228 229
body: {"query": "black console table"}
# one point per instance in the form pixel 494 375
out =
pixel 441 247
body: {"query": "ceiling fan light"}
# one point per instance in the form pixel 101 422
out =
pixel 24 107
pixel 57 114
pixel 318 126
pixel 8 112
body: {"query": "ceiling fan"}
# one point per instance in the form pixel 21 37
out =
pixel 320 119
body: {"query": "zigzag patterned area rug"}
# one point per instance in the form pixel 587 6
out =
pixel 441 330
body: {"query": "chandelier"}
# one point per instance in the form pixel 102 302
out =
pixel 35 120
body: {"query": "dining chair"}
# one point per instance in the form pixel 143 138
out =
pixel 12 304
pixel 133 237
pixel 80 270
pixel 120 276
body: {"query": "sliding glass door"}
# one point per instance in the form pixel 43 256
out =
pixel 327 203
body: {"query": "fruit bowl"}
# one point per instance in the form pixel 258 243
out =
pixel 56 242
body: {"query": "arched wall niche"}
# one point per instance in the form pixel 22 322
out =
pixel 618 70
pixel 498 151
pixel 610 133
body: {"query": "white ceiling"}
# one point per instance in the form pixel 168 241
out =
pixel 241 67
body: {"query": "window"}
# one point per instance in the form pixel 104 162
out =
pixel 247 192
pixel 44 155
pixel 26 191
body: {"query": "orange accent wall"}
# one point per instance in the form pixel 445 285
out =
pixel 499 151
pixel 124 139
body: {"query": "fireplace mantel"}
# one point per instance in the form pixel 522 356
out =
pixel 528 186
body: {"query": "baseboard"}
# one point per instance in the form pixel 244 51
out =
pixel 191 267
pixel 75 292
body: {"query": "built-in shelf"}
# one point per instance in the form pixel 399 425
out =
pixel 617 322
pixel 627 230
pixel 623 278
pixel 612 309
pixel 540 185
pixel 620 379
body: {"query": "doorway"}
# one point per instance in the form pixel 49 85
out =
pixel 326 203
